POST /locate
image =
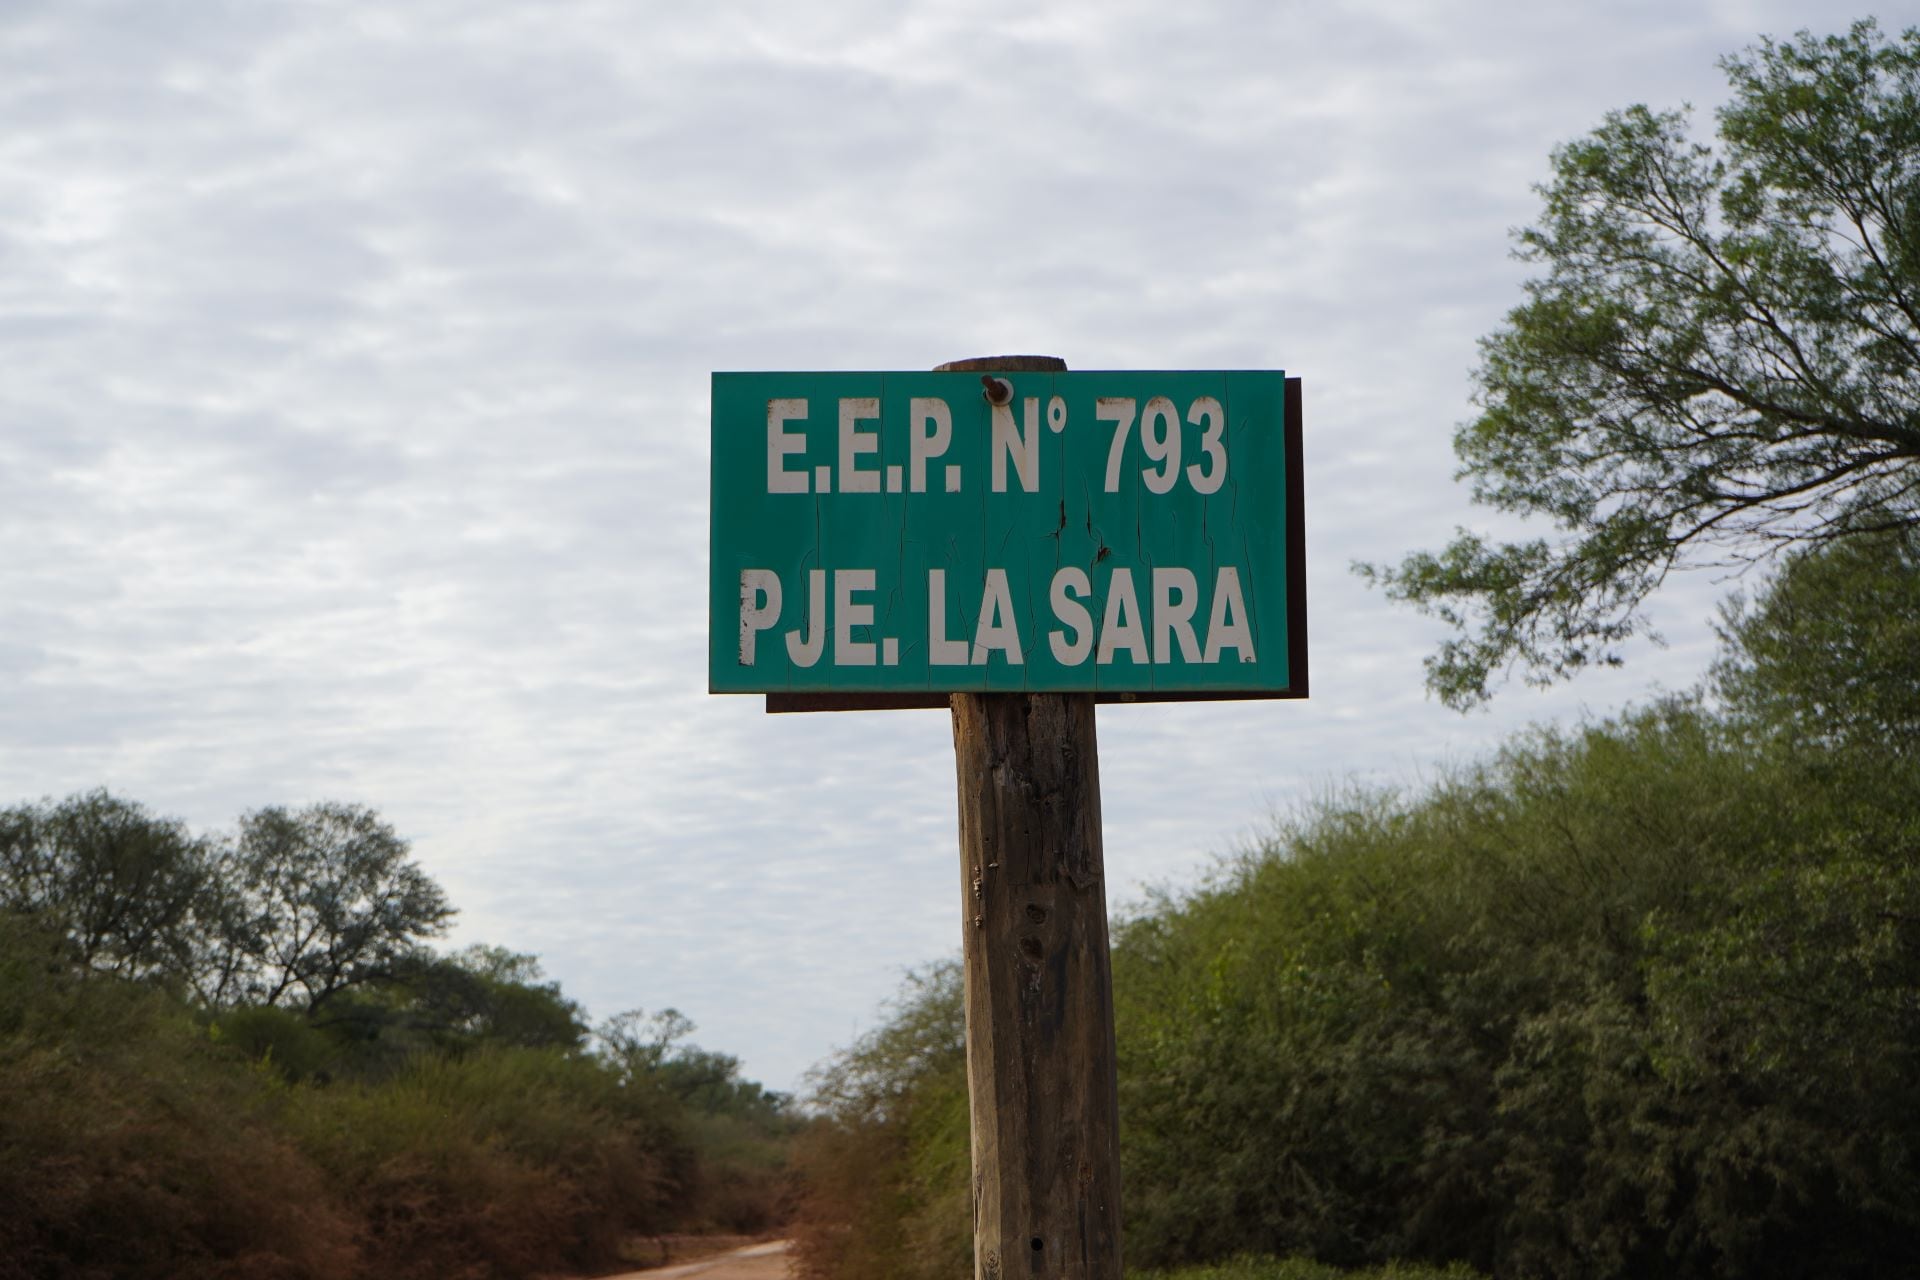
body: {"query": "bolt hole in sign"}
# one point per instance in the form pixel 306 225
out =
pixel 886 539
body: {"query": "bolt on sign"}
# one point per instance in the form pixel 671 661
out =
pixel 1133 534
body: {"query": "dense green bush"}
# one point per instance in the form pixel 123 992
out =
pixel 1504 1022
pixel 131 1146
pixel 142 1138
pixel 432 1116
pixel 1635 998
pixel 1253 1268
pixel 517 1160
pixel 883 1171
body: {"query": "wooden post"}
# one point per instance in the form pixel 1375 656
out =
pixel 1039 984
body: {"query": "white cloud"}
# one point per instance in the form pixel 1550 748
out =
pixel 353 363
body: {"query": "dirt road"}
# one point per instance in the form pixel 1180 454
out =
pixel 758 1262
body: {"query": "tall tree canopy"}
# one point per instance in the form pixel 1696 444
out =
pixel 1721 359
pixel 123 885
pixel 298 906
pixel 1829 655
pixel 328 899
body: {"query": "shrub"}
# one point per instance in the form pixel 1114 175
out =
pixel 505 1161
pixel 131 1147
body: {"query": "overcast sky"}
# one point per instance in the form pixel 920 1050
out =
pixel 353 412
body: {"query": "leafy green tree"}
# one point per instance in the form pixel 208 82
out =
pixel 131 1147
pixel 324 899
pixel 1720 359
pixel 1636 998
pixel 424 1005
pixel 638 1042
pixel 710 1081
pixel 478 996
pixel 885 1170
pixel 1830 655
pixel 743 1130
pixel 655 1049
pixel 123 885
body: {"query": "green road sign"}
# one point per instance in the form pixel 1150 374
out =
pixel 1128 533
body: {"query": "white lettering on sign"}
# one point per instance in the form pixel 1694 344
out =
pixel 1207 414
pixel 1155 632
pixel 1119 411
pixel 1023 447
pixel 848 652
pixel 1160 437
pixel 998 631
pixel 854 442
pixel 930 435
pixel 1175 596
pixel 1010 441
pixel 930 423
pixel 759 608
pixel 1071 653
pixel 942 650
pixel 1227 626
pixel 781 442
pixel 806 645
pixel 1120 628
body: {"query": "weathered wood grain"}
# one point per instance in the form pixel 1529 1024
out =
pixel 1039 988
pixel 1039 978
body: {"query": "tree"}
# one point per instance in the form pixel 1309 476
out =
pixel 491 995
pixel 1721 360
pixel 123 885
pixel 885 1188
pixel 422 1005
pixel 639 1044
pixel 323 899
pixel 1830 654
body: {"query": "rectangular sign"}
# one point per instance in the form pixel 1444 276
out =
pixel 1130 533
